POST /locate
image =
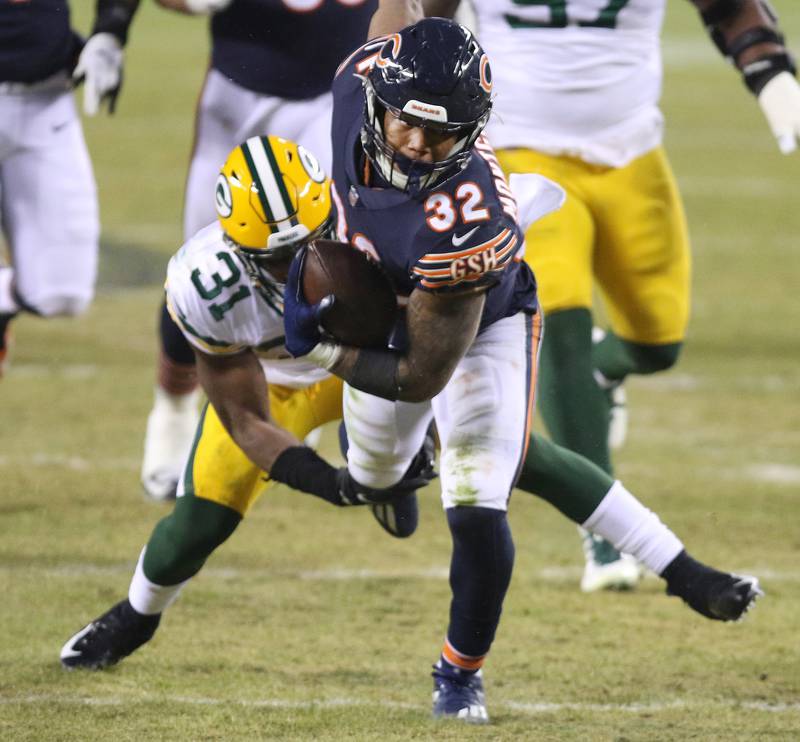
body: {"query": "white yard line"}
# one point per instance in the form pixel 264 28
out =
pixel 44 460
pixel 540 707
pixel 552 573
pixel 70 371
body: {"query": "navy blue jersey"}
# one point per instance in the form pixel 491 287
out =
pixel 284 47
pixel 35 39
pixel 459 234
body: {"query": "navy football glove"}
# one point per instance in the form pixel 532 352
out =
pixel 301 320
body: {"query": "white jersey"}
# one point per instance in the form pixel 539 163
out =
pixel 221 312
pixel 579 78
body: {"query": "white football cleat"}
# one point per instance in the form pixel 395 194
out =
pixel 171 428
pixel 617 401
pixel 606 568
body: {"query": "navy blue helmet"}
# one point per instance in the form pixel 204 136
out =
pixel 433 74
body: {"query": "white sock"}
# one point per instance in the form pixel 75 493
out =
pixel 177 402
pixel 148 598
pixel 621 519
pixel 8 304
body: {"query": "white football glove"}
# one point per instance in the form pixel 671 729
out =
pixel 780 101
pixel 206 7
pixel 100 69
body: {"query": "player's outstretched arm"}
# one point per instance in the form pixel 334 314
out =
pixel 236 387
pixel 747 33
pixel 392 15
pixel 100 62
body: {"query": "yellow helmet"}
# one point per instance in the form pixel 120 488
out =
pixel 272 196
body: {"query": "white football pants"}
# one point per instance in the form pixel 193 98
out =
pixel 48 198
pixel 483 417
pixel 227 115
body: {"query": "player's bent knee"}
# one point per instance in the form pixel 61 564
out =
pixel 472 479
pixel 654 358
pixel 183 540
pixel 377 473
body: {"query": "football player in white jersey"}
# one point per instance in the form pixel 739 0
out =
pixel 577 86
pixel 224 289
pixel 48 197
pixel 256 84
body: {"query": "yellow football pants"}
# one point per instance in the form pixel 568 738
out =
pixel 218 470
pixel 624 227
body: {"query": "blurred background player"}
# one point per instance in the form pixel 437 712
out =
pixel 272 63
pixel 577 86
pixel 48 197
pixel 224 288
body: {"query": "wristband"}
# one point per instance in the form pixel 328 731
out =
pixel 375 372
pixel 301 468
pixel 759 72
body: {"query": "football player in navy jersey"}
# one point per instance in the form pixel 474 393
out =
pixel 272 63
pixel 52 233
pixel 420 190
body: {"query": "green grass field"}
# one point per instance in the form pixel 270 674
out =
pixel 309 622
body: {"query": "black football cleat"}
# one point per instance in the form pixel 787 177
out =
pixel 721 596
pixel 399 517
pixel 109 638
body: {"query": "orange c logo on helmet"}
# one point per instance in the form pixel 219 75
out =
pixel 382 60
pixel 486 74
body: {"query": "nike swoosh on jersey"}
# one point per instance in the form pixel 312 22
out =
pixel 458 241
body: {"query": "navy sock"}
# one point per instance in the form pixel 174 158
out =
pixel 480 571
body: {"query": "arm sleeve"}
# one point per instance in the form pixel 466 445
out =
pixel 115 17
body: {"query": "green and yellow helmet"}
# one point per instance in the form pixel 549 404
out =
pixel 272 196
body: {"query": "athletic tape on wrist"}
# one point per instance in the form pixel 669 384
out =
pixel 325 355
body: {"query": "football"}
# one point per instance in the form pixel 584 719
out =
pixel 365 307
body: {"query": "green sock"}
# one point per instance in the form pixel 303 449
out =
pixel 574 408
pixel 569 482
pixel 615 358
pixel 181 542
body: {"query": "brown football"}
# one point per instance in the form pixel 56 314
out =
pixel 365 307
